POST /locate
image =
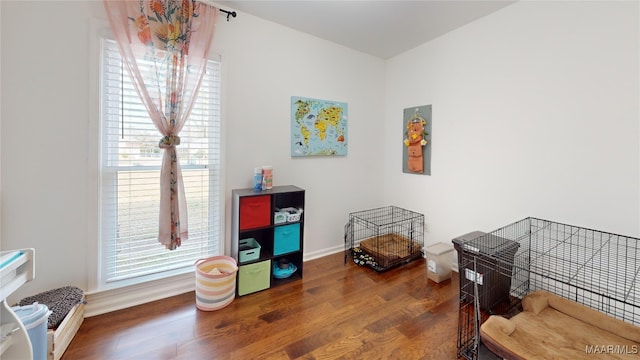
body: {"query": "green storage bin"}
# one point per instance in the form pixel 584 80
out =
pixel 254 277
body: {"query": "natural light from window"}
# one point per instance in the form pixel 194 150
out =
pixel 130 172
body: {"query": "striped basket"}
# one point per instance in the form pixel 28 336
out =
pixel 215 291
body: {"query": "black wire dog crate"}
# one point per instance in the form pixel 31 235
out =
pixel 384 237
pixel 597 269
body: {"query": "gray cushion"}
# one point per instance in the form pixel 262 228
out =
pixel 60 301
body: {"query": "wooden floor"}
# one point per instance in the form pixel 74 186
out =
pixel 336 311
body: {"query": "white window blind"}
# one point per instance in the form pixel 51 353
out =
pixel 130 178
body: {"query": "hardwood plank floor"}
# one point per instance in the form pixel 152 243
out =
pixel 336 311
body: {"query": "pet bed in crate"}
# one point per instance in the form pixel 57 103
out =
pixel 391 249
pixel 591 295
pixel 552 327
pixel 384 237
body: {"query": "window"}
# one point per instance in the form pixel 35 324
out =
pixel 130 172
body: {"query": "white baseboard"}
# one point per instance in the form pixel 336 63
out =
pixel 111 300
pixel 324 252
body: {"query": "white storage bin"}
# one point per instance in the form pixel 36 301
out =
pixel 439 259
pixel 292 214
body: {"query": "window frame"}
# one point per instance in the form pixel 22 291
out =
pixel 96 261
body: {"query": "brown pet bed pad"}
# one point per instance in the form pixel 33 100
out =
pixel 390 248
pixel 551 327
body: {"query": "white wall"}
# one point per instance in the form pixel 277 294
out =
pixel 47 170
pixel 0 151
pixel 44 137
pixel 264 64
pixel 535 113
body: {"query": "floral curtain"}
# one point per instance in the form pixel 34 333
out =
pixel 175 37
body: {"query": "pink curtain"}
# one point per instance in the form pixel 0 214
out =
pixel 175 36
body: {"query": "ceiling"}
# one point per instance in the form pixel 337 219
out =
pixel 377 27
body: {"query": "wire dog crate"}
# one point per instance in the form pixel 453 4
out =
pixel 597 269
pixel 384 237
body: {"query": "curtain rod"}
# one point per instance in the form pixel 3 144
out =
pixel 229 13
pixel 209 2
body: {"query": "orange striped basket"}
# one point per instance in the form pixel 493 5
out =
pixel 215 282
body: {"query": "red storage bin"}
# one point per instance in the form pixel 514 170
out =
pixel 255 211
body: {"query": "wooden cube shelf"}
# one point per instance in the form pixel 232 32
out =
pixel 254 217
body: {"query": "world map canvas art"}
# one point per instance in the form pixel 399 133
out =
pixel 318 127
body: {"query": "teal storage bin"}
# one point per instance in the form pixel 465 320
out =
pixel 286 239
pixel 34 318
pixel 248 250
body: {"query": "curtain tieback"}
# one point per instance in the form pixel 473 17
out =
pixel 169 141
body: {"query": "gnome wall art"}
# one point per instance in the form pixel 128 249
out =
pixel 417 153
